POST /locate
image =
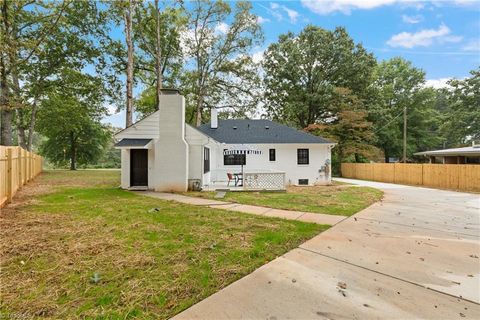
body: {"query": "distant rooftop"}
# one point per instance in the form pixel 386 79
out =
pixel 258 131
pixel 465 151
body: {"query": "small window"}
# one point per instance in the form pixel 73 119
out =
pixel 206 160
pixel 271 154
pixel 302 156
pixel 234 159
pixel 303 182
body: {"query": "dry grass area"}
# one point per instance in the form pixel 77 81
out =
pixel 337 199
pixel 73 245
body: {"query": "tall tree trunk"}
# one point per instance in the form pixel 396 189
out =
pixel 128 33
pixel 31 128
pixel 198 115
pixel 22 137
pixel 73 152
pixel 357 158
pixel 158 57
pixel 6 123
pixel 16 100
pixel 6 110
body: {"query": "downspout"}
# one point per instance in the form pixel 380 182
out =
pixel 201 160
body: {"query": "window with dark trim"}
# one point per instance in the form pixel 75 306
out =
pixel 234 159
pixel 303 182
pixel 206 160
pixel 302 156
pixel 271 154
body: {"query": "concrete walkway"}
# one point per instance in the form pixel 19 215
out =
pixel 257 210
pixel 413 255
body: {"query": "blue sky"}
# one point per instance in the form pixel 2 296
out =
pixel 440 37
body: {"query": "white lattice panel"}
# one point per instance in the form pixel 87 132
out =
pixel 264 181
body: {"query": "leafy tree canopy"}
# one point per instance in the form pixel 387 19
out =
pixel 462 117
pixel 398 85
pixel 70 120
pixel 303 71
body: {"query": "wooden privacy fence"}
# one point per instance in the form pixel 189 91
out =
pixel 17 167
pixel 464 177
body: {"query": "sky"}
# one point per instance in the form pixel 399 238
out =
pixel 441 37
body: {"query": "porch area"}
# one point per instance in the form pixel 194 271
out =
pixel 252 180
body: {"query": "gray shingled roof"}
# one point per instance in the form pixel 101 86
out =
pixel 132 142
pixel 257 131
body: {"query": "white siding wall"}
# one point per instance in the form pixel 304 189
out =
pixel 125 175
pixel 286 161
pixel 211 176
pixel 125 169
pixel 152 177
pixel 168 162
pixel 171 150
pixel 147 128
pixel 196 142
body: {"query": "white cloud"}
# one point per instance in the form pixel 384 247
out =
pixel 222 27
pixel 261 20
pixel 344 6
pixel 423 38
pixel 276 11
pixel 187 36
pixel 437 83
pixel 258 56
pixel 465 2
pixel 412 19
pixel 292 14
pixel 324 7
pixel 472 45
pixel 274 5
pixel 111 109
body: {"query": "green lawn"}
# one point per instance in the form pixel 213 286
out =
pixel 338 199
pixel 73 245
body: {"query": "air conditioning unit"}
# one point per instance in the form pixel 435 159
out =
pixel 194 185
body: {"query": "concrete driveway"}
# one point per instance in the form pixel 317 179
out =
pixel 413 255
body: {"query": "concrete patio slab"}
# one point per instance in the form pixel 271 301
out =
pixel 430 258
pixel 306 285
pixel 413 255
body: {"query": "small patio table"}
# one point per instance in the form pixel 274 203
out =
pixel 238 177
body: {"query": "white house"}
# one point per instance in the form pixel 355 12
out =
pixel 163 153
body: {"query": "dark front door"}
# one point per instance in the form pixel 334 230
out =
pixel 138 167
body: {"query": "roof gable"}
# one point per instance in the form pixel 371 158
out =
pixel 146 128
pixel 259 132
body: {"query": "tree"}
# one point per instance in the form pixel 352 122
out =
pixel 303 71
pixel 219 53
pixel 158 54
pixel 128 13
pixel 400 85
pixel 349 129
pixel 462 117
pixel 42 37
pixel 74 103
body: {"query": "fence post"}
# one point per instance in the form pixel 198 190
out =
pixel 9 175
pixel 423 172
pixel 19 166
pixel 30 158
